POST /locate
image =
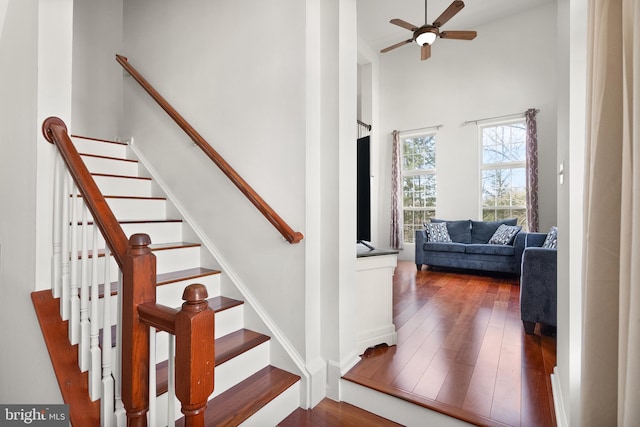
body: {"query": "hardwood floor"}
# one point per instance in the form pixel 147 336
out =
pixel 462 350
pixel 329 413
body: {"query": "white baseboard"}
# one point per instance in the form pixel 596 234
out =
pixel 558 402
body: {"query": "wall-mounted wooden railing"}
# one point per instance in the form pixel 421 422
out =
pixel 287 232
pixel 192 325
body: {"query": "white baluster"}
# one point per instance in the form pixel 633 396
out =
pixel 74 315
pixel 56 257
pixel 108 391
pixel 152 378
pixel 95 368
pixel 66 229
pixel 120 413
pixel 84 349
pixel 171 390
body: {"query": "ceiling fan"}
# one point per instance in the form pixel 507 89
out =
pixel 425 35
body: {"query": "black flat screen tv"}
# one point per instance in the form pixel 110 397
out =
pixel 363 178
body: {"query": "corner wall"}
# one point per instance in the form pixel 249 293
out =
pixel 246 96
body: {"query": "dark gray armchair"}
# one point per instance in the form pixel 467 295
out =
pixel 538 284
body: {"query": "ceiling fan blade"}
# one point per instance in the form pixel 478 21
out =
pixel 402 43
pixel 425 52
pixel 458 35
pixel 404 24
pixel 449 13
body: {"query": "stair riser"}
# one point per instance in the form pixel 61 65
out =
pixel 112 185
pixel 110 166
pixel 160 232
pixel 171 294
pixel 98 148
pixel 167 260
pixel 131 209
pixel 276 410
pixel 240 368
pixel 229 320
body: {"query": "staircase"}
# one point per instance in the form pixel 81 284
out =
pixel 248 389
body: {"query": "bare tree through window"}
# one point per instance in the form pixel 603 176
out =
pixel 503 171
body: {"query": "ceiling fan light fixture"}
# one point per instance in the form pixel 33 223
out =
pixel 428 36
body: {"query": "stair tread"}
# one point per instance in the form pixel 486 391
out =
pixel 237 404
pixel 190 273
pixel 109 175
pixel 129 197
pixel 99 140
pixel 108 157
pixel 221 303
pixel 227 347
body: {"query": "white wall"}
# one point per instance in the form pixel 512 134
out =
pixel 24 356
pixel 97 77
pixel 244 91
pixel 505 70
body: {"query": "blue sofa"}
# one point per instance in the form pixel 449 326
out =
pixel 538 283
pixel 469 247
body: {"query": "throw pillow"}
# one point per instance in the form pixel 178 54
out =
pixel 504 235
pixel 437 232
pixel 551 241
pixel 459 230
pixel 481 231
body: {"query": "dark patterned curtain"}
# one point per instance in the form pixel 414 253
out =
pixel 532 169
pixel 396 194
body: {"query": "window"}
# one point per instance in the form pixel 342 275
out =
pixel 503 171
pixel 418 182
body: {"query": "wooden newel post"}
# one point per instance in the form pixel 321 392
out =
pixel 195 354
pixel 138 287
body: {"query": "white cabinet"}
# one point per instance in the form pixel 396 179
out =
pixel 375 298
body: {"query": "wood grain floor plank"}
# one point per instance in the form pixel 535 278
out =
pixel 462 350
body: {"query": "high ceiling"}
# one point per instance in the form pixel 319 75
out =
pixel 374 16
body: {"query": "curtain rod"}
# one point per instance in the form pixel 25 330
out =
pixel 468 122
pixel 436 127
pixel 364 124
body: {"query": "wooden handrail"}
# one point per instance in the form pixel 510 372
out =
pixel 284 229
pixel 55 131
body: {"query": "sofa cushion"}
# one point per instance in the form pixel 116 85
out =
pixel 551 241
pixel 484 249
pixel 504 235
pixel 459 230
pixel 481 231
pixel 437 232
pixel 445 247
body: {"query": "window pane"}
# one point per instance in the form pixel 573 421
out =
pixel 419 153
pixel 505 143
pixel 419 191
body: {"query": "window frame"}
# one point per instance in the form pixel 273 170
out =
pixel 417 172
pixel 500 166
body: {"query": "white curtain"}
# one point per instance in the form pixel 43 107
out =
pixel 611 269
pixel 396 239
